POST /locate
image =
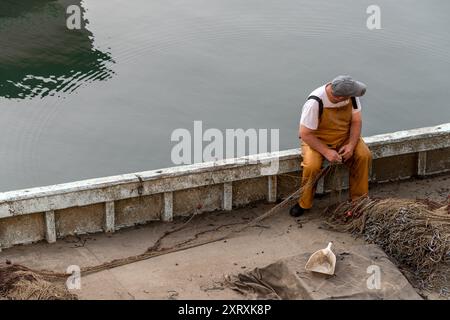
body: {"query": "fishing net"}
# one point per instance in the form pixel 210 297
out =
pixel 415 233
pixel 21 283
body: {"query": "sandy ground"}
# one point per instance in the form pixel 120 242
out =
pixel 195 273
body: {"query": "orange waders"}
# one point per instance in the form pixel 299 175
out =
pixel 334 131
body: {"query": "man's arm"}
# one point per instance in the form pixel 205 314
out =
pixel 355 132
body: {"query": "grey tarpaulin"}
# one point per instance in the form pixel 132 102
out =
pixel 357 271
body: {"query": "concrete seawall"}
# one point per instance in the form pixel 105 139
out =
pixel 110 203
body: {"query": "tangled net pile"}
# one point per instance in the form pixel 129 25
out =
pixel 415 233
pixel 21 283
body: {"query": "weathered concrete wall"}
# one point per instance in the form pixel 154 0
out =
pixel 197 200
pixel 110 203
pixel 139 210
pixel 288 183
pixel 394 167
pixel 22 229
pixel 248 191
pixel 80 220
pixel 438 160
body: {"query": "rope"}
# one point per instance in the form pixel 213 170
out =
pixel 155 250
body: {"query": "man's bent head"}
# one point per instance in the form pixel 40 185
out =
pixel 343 87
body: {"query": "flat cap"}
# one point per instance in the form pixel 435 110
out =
pixel 348 87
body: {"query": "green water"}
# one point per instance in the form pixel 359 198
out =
pixel 105 99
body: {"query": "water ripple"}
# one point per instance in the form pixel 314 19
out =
pixel 40 56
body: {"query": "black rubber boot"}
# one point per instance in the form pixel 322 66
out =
pixel 296 210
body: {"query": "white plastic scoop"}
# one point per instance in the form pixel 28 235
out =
pixel 322 261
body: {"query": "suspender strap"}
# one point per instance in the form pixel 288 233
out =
pixel 320 104
pixel 355 105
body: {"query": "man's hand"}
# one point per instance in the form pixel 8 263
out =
pixel 333 156
pixel 346 151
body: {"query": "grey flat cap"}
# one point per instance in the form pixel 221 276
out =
pixel 348 87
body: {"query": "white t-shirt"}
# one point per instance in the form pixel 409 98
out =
pixel 310 111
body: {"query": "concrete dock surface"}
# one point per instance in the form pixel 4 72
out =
pixel 197 273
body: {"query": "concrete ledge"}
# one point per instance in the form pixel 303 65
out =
pixel 114 202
